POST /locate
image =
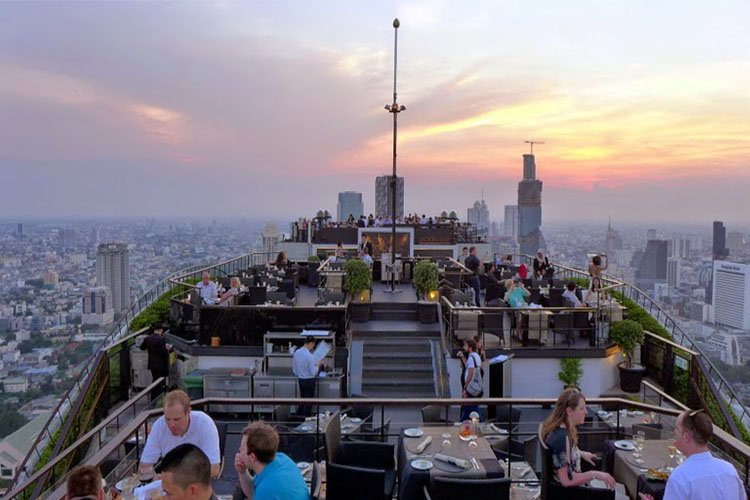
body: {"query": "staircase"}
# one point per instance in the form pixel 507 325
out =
pixel 396 356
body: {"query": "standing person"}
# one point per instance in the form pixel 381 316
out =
pixel 473 263
pixel 158 356
pixel 541 265
pixel 207 289
pixel 596 267
pixel 701 475
pixel 84 482
pixel 365 244
pixel 306 371
pixel 473 384
pixel 560 433
pixel 186 474
pixel 180 425
pixel 276 477
pixel 464 254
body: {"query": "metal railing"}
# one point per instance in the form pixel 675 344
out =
pixel 722 443
pixel 119 330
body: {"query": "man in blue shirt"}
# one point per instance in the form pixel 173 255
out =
pixel 306 371
pixel 276 476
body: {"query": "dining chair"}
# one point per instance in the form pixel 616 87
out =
pixel 345 482
pixel 453 488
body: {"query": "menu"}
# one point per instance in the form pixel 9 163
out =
pixel 320 351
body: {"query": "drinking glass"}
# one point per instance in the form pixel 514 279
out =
pixel 446 444
pixel 672 451
pixel 638 440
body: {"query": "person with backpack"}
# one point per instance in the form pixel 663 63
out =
pixel 473 386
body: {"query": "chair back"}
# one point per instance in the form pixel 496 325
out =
pixel 257 295
pixel 434 414
pixel 507 417
pixel 344 482
pixel 451 488
pixel 279 297
pixel 333 437
pixel 221 427
pixel 652 431
pixel 316 481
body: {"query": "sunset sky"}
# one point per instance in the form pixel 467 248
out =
pixel 268 109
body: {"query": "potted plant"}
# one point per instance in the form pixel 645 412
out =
pixel 357 281
pixel 426 275
pixel 571 371
pixel 627 335
pixel 313 278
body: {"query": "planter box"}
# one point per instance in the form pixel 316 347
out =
pixel 427 312
pixel 359 312
pixel 630 378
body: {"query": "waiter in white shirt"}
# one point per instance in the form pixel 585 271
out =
pixel 306 371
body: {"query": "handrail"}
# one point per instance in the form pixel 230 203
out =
pixel 458 264
pixel 664 395
pixel 670 342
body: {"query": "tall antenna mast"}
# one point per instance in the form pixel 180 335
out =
pixel 532 144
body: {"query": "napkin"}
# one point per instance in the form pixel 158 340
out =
pixel 458 462
pixel 144 492
pixel 424 444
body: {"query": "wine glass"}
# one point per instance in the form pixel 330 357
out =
pixel 638 440
pixel 672 451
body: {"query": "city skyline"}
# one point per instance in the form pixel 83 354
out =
pixel 640 115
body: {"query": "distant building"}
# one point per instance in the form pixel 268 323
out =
pixel 19 229
pixel 679 248
pixel 14 447
pixel 510 224
pixel 15 385
pixel 113 271
pixel 652 268
pixel 530 237
pixel 612 241
pixel 271 238
pixel 731 294
pixel 673 272
pixel 350 203
pixel 727 344
pixel 735 242
pixel 479 214
pixel 719 240
pixel 68 237
pixel 50 278
pixel 97 306
pixel 651 234
pixel 383 200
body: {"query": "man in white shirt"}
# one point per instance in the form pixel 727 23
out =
pixel 180 425
pixel 208 290
pixel 306 371
pixel 702 475
pixel 570 294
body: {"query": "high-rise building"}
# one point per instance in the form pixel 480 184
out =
pixel 19 229
pixel 673 272
pixel 530 237
pixel 50 278
pixel 350 203
pixel 612 242
pixel 720 240
pixel 97 306
pixel 383 200
pixel 68 237
pixel 271 239
pixel 479 214
pixel 679 248
pixel 727 344
pixel 510 224
pixel 731 294
pixel 651 234
pixel 735 242
pixel 113 271
pixel 653 265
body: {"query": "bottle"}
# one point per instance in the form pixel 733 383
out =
pixel 289 349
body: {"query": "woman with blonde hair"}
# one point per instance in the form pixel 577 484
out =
pixel 560 434
pixel 234 290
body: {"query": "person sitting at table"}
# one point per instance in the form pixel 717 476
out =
pixel 366 257
pixel 276 477
pixel 207 289
pixel 596 267
pixel 515 293
pixel 186 473
pixel 84 482
pixel 282 261
pixel 522 272
pixel 234 290
pixel 180 425
pixel 701 475
pixel 339 254
pixel 594 295
pixel 560 433
pixel 570 294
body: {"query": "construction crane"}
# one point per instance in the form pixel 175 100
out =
pixel 532 144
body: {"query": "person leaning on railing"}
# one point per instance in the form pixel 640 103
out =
pixel 701 475
pixel 560 433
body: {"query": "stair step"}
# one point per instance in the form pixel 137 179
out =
pixel 382 356
pixel 379 391
pixel 394 315
pixel 398 375
pixel 414 349
pixel 398 341
pixel 394 306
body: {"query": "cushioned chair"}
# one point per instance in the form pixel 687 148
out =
pixel 222 428
pixel 492 330
pixel 553 490
pixel 433 414
pixel 316 481
pixel 563 325
pixel 451 488
pixel 466 324
pixel 652 431
pixel 256 295
pixel 279 297
pixel 506 417
pixel 346 482
pixel 538 325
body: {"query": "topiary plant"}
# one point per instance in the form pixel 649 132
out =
pixel 426 276
pixel 627 334
pixel 571 371
pixel 358 277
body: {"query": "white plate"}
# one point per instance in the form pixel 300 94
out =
pixel 624 444
pixel 421 464
pixel 303 465
pixel 638 413
pixel 305 428
pixel 603 414
pixel 355 420
pixel 414 432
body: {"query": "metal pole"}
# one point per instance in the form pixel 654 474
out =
pixel 395 109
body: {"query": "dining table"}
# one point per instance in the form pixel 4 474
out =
pixel 633 475
pixel 478 459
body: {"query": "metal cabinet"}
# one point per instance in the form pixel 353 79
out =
pixel 229 383
pixel 274 386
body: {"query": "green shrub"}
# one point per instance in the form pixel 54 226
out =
pixel 571 371
pixel 426 274
pixel 358 277
pixel 627 334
